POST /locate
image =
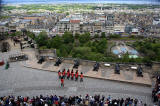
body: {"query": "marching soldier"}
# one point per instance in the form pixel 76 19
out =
pixel 76 75
pixel 59 74
pixel 68 74
pixel 72 75
pixel 62 82
pixel 63 74
pixel 64 70
pixel 81 77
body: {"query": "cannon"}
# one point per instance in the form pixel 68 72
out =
pixel 117 69
pixel 58 62
pixel 5 47
pixel 32 45
pixel 30 41
pixel 139 72
pixel 76 64
pixel 26 38
pixel 96 66
pixel 41 60
pixel 18 57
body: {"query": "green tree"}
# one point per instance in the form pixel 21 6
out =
pixel 17 33
pixel 43 47
pixel 114 36
pixel 103 35
pixel 41 39
pixel 55 42
pixel 96 36
pixel 146 60
pixel 68 37
pixel 30 34
pixel 95 56
pixel 63 51
pixel 84 38
pixel 125 57
pixel 69 47
pixel 83 51
pixel 77 35
pixel 102 46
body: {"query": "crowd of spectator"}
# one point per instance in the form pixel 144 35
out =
pixel 54 100
pixel 156 90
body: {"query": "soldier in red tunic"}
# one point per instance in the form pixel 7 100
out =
pixel 63 74
pixel 72 75
pixel 59 74
pixel 62 82
pixel 68 74
pixel 81 77
pixel 76 75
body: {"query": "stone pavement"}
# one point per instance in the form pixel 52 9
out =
pixel 19 80
pixel 103 73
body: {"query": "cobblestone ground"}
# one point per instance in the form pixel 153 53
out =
pixel 18 80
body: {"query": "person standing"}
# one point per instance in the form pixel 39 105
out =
pixel 59 74
pixel 63 74
pixel 62 82
pixel 64 70
pixel 21 46
pixel 121 102
pixel 72 75
pixel 14 43
pixel 68 74
pixel 135 102
pixel 81 77
pixel 76 76
pixel 7 65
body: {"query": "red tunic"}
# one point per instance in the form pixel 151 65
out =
pixel 63 73
pixel 59 73
pixel 72 74
pixel 76 75
pixel 62 81
pixel 68 74
pixel 64 70
pixel 81 76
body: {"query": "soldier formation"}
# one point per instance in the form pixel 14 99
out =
pixel 69 75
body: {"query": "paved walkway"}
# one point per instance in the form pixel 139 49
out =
pixel 19 80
